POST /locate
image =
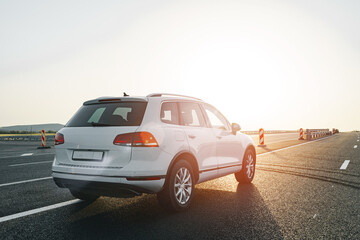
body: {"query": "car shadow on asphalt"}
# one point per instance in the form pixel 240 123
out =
pixel 214 214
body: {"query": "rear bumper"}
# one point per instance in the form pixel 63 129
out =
pixel 107 186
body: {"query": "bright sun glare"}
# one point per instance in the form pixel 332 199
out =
pixel 263 65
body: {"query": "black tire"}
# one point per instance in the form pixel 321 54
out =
pixel 169 197
pixel 84 196
pixel 245 175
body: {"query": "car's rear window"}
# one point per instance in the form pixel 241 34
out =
pixel 109 114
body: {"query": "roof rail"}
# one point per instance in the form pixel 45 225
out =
pixel 170 94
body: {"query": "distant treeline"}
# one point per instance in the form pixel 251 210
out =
pixel 24 132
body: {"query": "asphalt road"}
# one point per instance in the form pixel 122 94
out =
pixel 299 192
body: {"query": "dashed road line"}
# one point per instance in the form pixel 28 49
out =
pixel 26 154
pixel 25 181
pixel 23 164
pixel 38 210
pixel 345 165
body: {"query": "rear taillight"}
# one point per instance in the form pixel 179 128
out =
pixel 124 139
pixel 137 139
pixel 59 138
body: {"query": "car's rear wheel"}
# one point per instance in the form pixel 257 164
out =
pixel 246 175
pixel 84 196
pixel 179 187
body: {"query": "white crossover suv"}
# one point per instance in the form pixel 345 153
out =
pixel 161 143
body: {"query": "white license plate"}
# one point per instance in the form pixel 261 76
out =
pixel 88 155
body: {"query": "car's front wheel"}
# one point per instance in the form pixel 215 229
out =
pixel 179 187
pixel 246 175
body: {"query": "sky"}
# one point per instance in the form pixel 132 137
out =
pixel 270 64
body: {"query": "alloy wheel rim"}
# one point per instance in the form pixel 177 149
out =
pixel 183 185
pixel 250 166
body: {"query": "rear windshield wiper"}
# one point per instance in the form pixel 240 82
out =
pixel 99 124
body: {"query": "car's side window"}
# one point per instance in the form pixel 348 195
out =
pixel 169 113
pixel 191 114
pixel 216 119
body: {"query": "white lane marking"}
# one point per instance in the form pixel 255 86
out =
pixel 23 164
pixel 357 140
pixel 277 150
pixel 344 165
pixel 355 146
pixel 38 210
pixel 25 181
pixel 32 155
pixel 26 154
pixel 314 216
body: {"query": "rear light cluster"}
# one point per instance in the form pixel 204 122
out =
pixel 59 138
pixel 137 139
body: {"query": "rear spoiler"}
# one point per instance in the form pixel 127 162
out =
pixel 113 100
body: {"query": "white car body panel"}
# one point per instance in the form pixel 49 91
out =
pixel 202 144
pixel 94 139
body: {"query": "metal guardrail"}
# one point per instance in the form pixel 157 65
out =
pixel 26 138
pixel 317 133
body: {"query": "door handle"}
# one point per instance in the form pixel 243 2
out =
pixel 192 136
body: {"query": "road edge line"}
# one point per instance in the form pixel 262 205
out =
pixel 34 155
pixel 38 210
pixel 277 150
pixel 30 163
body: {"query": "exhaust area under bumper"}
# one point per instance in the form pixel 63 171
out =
pixel 107 186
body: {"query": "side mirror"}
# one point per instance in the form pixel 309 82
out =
pixel 235 127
